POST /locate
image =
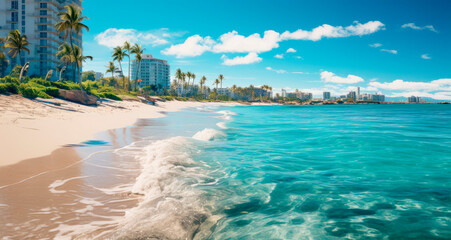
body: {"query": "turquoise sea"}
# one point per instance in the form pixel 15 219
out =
pixel 249 172
pixel 298 172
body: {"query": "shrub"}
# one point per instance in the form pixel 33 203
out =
pixel 8 88
pixel 106 89
pixel 60 85
pixel 111 96
pixel 3 88
pixel 43 94
pixel 72 86
pixel 52 91
pixel 42 82
pixel 12 88
pixel 28 91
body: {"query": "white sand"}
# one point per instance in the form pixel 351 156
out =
pixel 35 128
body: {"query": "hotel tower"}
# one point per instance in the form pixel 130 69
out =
pixel 36 19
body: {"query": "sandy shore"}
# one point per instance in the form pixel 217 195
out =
pixel 35 128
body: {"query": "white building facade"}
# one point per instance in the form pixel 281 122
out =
pixel 36 20
pixel 152 71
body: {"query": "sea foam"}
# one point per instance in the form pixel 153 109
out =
pixel 171 207
pixel 208 134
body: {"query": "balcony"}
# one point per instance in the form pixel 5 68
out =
pixel 50 22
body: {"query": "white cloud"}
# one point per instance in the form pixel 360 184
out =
pixel 331 77
pixel 193 46
pixel 113 37
pixel 328 31
pixel 401 85
pixel 425 56
pixel 300 72
pixel 375 45
pixel 415 27
pixel 248 59
pixel 279 56
pixel 298 57
pixel 390 51
pixel 232 42
pixel 291 50
pixel 275 70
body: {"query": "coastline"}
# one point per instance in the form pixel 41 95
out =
pixel 36 128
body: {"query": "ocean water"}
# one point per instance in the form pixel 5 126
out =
pixel 296 172
pixel 249 172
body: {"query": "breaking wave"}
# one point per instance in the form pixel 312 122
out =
pixel 171 207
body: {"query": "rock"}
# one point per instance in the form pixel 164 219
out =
pixel 78 97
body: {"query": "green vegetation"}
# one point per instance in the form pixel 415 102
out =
pixel 38 87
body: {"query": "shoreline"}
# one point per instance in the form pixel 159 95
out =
pixel 36 128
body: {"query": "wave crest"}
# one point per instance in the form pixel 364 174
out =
pixel 208 134
pixel 171 206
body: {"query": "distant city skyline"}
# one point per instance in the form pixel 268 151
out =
pixel 395 48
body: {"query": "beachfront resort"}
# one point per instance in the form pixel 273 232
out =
pixel 192 120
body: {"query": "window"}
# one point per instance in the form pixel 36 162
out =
pixel 14 17
pixel 43 42
pixel 42 20
pixel 43 12
pixel 43 5
pixel 43 35
pixel 42 27
pixel 14 5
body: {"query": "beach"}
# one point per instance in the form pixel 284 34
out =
pixel 35 128
pixel 43 167
pixel 216 171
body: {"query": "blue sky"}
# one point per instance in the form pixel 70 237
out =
pixel 399 48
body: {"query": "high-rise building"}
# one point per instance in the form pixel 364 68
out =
pixel 413 99
pixel 326 95
pixel 377 97
pixel 36 20
pixel 352 95
pixel 358 93
pixel 152 71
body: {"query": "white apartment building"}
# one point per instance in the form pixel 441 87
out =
pixel 36 20
pixel 152 71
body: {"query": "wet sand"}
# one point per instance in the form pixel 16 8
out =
pixel 78 190
pixel 71 193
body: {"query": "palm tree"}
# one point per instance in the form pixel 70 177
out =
pixel 216 82
pixel 73 55
pixel 71 22
pixel 79 60
pixel 221 77
pixel 111 68
pixel 118 55
pixel 188 75
pixel 183 83
pixel 178 76
pixel 193 76
pixel 128 47
pixel 17 43
pixel 234 89
pixel 65 54
pixel 202 83
pixel 138 51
